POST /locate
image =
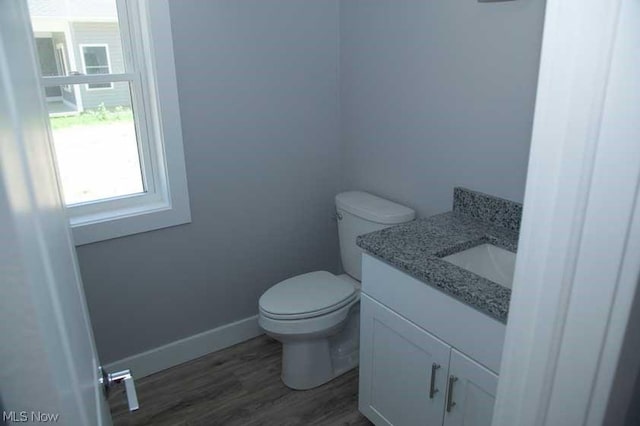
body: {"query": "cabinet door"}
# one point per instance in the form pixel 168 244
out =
pixel 471 392
pixel 398 362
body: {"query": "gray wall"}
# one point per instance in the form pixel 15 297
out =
pixel 430 94
pixel 436 94
pixel 258 89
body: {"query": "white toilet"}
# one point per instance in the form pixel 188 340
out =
pixel 316 316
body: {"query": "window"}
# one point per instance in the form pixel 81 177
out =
pixel 115 125
pixel 95 59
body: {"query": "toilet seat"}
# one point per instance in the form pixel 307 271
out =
pixel 307 296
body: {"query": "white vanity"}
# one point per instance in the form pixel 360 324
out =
pixel 425 357
pixel 434 305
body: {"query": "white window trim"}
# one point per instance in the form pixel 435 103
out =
pixel 84 65
pixel 166 202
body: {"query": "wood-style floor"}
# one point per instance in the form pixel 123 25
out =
pixel 238 386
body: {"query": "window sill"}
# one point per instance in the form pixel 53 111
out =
pixel 114 224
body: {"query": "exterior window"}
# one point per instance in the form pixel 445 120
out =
pixel 96 61
pixel 109 85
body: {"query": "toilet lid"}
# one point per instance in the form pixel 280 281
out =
pixel 309 294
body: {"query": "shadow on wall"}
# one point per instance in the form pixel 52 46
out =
pixel 633 415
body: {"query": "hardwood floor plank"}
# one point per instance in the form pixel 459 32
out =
pixel 238 386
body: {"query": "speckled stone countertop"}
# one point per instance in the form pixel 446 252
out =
pixel 418 246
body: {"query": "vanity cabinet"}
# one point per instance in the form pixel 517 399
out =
pixel 423 354
pixel 403 369
pixel 473 390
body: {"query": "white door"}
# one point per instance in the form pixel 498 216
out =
pixel 48 361
pixel 471 393
pixel 403 369
pixel 570 355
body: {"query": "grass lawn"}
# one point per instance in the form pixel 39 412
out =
pixel 101 115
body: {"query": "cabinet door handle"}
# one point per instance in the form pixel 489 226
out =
pixel 432 387
pixel 450 402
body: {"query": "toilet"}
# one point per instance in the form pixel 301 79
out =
pixel 316 316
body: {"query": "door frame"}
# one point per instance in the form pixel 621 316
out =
pixel 579 251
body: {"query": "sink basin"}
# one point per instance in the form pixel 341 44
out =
pixel 488 261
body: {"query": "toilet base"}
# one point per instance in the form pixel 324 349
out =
pixel 306 364
pixel 310 362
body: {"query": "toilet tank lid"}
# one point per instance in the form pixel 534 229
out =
pixel 374 209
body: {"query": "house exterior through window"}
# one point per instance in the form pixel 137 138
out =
pixel 88 36
pixel 114 118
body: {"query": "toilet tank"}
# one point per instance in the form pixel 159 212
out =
pixel 360 213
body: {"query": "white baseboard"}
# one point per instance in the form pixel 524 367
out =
pixel 189 348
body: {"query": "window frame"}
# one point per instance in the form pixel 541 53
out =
pixel 145 30
pixel 84 64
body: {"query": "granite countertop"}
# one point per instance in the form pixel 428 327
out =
pixel 417 248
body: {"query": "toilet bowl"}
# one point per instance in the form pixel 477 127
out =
pixel 316 316
pixel 306 326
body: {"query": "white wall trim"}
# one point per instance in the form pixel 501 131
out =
pixel 189 348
